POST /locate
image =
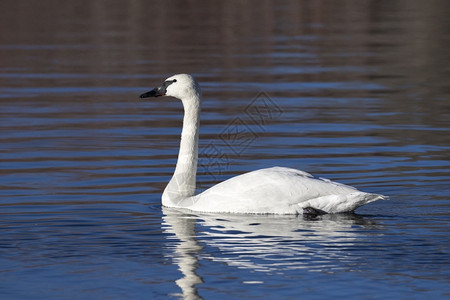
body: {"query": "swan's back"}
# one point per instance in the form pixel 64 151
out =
pixel 278 191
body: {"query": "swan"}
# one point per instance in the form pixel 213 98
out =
pixel 276 190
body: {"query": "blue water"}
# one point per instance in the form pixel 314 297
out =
pixel 357 93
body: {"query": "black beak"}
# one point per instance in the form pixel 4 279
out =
pixel 156 92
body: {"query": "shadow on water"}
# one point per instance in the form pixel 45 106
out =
pixel 261 243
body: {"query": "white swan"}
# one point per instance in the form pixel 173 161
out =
pixel 274 190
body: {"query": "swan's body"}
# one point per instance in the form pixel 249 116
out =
pixel 267 191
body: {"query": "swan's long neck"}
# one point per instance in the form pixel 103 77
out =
pixel 182 184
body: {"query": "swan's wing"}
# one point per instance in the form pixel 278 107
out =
pixel 276 190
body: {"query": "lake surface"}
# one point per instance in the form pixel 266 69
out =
pixel 353 91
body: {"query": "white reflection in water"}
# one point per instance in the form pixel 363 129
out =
pixel 186 251
pixel 263 243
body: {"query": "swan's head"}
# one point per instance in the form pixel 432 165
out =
pixel 181 86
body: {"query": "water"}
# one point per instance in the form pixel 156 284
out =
pixel 354 91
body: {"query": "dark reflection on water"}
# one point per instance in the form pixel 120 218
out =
pixel 347 246
pixel 356 91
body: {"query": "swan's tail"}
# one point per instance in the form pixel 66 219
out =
pixel 340 203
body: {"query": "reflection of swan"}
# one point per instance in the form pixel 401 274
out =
pixel 265 243
pixel 274 190
pixel 186 251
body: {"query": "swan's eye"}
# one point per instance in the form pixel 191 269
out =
pixel 169 82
